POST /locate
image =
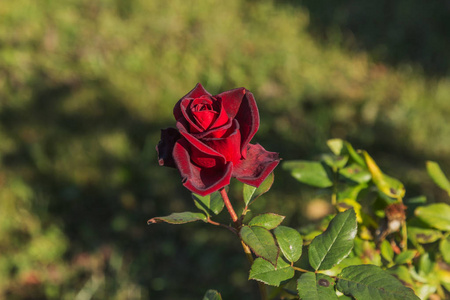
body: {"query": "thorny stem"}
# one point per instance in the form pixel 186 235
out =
pixel 237 223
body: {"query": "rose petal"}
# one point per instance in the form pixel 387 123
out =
pixel 218 132
pixel 258 164
pixel 241 105
pixel 194 93
pixel 199 180
pixel 188 119
pixel 222 119
pixel 165 147
pixel 204 118
pixel 230 147
pixel 201 153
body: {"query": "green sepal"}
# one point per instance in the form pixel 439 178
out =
pixel 210 204
pixel 251 193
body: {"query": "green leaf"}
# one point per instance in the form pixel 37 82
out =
pixel 356 173
pixel 444 247
pixel 335 162
pixel 309 172
pixel 290 242
pixel 355 156
pixel 179 218
pixel 370 282
pixel 266 272
pixel 438 176
pixel 268 221
pixel 386 184
pixel 436 215
pixel 405 257
pixel 335 243
pixel 311 286
pixel 212 203
pixel 402 273
pixel 423 235
pixel 261 241
pixel 212 295
pixel 386 251
pixel 336 146
pixel 426 265
pixel 251 193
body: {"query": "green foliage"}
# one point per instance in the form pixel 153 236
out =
pixel 335 244
pixel 267 273
pixel 268 221
pixel 435 215
pixel 435 172
pixel 313 286
pixel 290 242
pixel 312 173
pixel 210 204
pixel 261 241
pixel 386 227
pixel 212 295
pixel 179 218
pixel 372 283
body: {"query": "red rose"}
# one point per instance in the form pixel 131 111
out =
pixel 212 141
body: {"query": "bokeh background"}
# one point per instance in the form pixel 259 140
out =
pixel 86 86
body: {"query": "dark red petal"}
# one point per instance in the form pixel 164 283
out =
pixel 218 132
pixel 165 147
pixel 222 119
pixel 241 105
pixel 199 145
pixel 202 181
pixel 257 166
pixel 204 118
pixel 194 93
pixel 187 115
pixel 230 147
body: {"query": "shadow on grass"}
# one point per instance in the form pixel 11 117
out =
pixel 395 32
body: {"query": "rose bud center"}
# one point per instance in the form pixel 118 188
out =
pixel 203 112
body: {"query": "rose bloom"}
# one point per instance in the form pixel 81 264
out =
pixel 212 141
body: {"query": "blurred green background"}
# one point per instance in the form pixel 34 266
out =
pixel 86 86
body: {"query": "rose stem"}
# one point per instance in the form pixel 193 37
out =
pixel 237 223
pixel 226 200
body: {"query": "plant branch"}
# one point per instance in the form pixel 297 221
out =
pixel 229 207
pixel 238 223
